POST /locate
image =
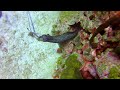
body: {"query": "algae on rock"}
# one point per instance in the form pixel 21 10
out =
pixel 114 72
pixel 71 70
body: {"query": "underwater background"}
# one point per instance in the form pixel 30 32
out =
pixel 24 57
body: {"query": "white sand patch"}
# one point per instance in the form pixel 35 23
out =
pixel 26 57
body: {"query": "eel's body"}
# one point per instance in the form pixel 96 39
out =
pixel 55 39
pixel 58 39
pixel 64 37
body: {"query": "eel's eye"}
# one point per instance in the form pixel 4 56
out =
pixel 45 38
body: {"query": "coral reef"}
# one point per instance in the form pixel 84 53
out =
pixel 22 56
pixel 68 68
pixel 100 61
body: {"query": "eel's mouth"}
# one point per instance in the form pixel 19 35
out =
pixel 31 34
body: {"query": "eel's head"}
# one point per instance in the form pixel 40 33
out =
pixel 45 38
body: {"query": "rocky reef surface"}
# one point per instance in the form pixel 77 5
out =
pixel 24 57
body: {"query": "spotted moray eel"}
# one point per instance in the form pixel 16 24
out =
pixel 62 38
